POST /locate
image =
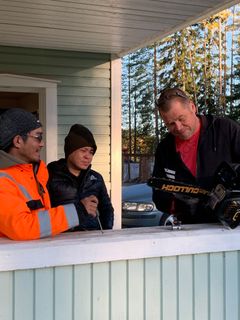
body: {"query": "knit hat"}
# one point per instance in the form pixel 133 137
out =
pixel 78 137
pixel 15 122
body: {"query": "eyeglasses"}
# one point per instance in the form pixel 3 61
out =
pixel 38 137
pixel 167 96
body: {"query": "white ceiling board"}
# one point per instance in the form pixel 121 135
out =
pixel 113 26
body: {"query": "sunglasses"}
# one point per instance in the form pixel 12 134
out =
pixel 38 137
pixel 168 96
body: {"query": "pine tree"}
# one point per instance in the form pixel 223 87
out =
pixel 199 60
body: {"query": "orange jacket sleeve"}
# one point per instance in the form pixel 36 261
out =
pixel 18 222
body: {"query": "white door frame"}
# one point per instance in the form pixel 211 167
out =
pixel 47 92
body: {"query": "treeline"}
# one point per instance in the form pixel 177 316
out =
pixel 203 59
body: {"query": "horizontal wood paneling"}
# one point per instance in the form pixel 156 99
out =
pixel 82 62
pixel 83 110
pixel 100 130
pixel 83 91
pixel 97 102
pixel 98 82
pixel 204 286
pixel 88 120
pixel 56 53
pixel 102 152
pixel 50 71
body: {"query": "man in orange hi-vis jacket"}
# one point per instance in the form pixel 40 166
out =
pixel 25 210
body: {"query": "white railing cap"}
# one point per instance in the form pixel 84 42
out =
pixel 92 247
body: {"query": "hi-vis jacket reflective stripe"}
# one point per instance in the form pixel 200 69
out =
pixel 17 221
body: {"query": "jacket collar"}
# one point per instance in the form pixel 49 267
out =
pixel 7 160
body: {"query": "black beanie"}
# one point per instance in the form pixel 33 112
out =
pixel 15 122
pixel 78 137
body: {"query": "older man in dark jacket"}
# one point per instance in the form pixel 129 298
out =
pixel 72 178
pixel 191 153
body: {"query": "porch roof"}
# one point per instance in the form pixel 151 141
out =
pixel 110 26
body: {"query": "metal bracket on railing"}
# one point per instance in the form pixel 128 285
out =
pixel 173 222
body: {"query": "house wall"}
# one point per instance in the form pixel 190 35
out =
pixel 83 94
pixel 187 287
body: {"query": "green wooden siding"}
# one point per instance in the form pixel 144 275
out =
pixel 83 91
pixel 203 286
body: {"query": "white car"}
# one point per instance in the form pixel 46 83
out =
pixel 138 209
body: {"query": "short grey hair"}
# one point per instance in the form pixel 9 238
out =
pixel 163 102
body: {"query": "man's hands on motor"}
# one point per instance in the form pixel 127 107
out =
pixel 90 203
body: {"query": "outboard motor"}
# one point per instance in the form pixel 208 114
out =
pixel 223 200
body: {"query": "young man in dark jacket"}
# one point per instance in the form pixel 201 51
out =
pixel 72 178
pixel 191 152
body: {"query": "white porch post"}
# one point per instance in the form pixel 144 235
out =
pixel 116 141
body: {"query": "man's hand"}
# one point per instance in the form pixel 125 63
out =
pixel 90 203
